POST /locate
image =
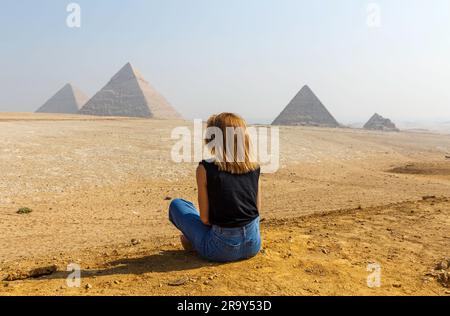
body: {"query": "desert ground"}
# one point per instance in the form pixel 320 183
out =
pixel 99 189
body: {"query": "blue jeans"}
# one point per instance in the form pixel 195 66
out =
pixel 215 243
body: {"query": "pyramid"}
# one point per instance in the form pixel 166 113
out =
pixel 379 123
pixel 307 110
pixel 67 100
pixel 129 94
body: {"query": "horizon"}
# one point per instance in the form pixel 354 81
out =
pixel 250 58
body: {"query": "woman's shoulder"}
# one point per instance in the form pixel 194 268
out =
pixel 207 162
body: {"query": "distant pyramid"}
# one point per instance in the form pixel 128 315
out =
pixel 67 100
pixel 128 94
pixel 379 123
pixel 306 109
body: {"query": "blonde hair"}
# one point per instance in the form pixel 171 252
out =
pixel 226 161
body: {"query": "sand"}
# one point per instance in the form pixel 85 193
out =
pixel 342 199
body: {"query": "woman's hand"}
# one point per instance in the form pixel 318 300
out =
pixel 202 190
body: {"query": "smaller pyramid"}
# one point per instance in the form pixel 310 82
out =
pixel 379 123
pixel 68 100
pixel 128 94
pixel 306 109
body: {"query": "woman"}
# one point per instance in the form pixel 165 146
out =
pixel 227 227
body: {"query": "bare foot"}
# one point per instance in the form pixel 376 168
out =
pixel 186 243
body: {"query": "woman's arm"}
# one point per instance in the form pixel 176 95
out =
pixel 202 189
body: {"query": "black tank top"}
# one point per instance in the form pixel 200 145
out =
pixel 232 197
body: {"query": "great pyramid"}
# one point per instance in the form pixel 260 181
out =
pixel 67 100
pixel 379 123
pixel 306 109
pixel 129 94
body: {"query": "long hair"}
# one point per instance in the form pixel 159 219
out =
pixel 234 152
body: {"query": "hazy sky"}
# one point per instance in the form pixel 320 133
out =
pixel 246 56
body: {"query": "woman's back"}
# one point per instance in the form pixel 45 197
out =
pixel 233 198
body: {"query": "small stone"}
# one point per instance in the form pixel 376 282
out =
pixel 212 277
pixel 88 286
pixel 167 198
pixel 430 273
pixel 443 265
pixel 287 255
pixel 444 279
pixel 24 210
pixel 178 282
pixel 397 285
pixel 427 279
pixel 116 282
pixel 325 251
pixel 135 242
pixel 33 274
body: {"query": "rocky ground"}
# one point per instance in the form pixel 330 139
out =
pixel 95 192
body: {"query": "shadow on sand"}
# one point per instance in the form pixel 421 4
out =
pixel 164 261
